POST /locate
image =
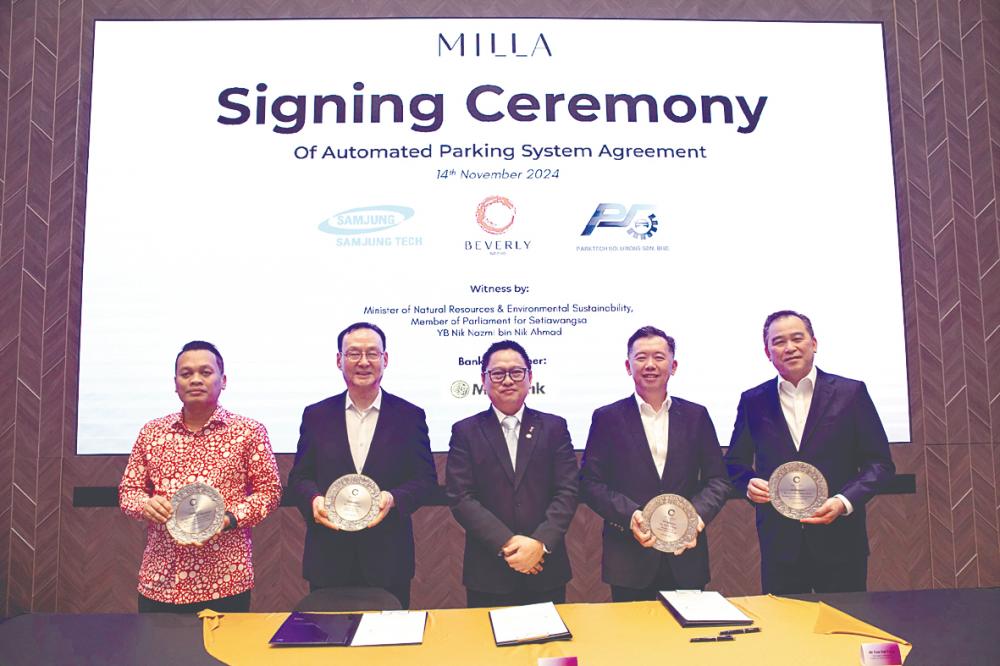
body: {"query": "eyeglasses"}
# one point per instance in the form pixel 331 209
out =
pixel 354 355
pixel 498 376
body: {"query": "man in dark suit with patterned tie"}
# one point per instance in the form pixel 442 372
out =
pixel 645 445
pixel 822 419
pixel 512 484
pixel 364 430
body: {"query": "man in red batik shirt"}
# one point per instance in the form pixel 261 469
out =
pixel 201 443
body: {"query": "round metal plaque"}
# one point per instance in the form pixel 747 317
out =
pixel 673 521
pixel 352 502
pixel 198 513
pixel 797 489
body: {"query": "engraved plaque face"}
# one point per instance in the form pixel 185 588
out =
pixel 198 514
pixel 352 502
pixel 797 489
pixel 673 521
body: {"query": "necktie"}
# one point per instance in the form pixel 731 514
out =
pixel 509 424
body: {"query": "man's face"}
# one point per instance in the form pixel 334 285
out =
pixel 650 364
pixel 362 359
pixel 790 348
pixel 506 394
pixel 197 379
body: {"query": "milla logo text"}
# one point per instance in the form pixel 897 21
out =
pixel 495 214
pixel 365 220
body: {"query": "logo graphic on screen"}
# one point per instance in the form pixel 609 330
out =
pixel 460 388
pixel 493 44
pixel 638 220
pixel 495 214
pixel 366 220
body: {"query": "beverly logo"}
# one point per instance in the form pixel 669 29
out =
pixel 495 215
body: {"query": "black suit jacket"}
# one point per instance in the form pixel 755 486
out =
pixel 493 501
pixel 618 476
pixel 843 438
pixel 399 461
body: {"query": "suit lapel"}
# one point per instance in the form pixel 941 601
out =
pixel 340 446
pixel 772 411
pixel 381 438
pixel 823 395
pixel 677 427
pixel 526 443
pixel 636 434
pixel 493 436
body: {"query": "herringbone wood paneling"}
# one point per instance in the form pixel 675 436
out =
pixel 943 64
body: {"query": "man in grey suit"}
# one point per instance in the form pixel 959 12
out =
pixel 642 446
pixel 512 484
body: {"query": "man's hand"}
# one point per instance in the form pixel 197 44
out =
pixel 827 513
pixel 694 541
pixel 524 554
pixel 385 502
pixel 157 509
pixel 757 491
pixel 319 513
pixel 641 531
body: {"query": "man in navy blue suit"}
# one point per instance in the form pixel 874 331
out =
pixel 368 431
pixel 645 445
pixel 822 419
pixel 512 484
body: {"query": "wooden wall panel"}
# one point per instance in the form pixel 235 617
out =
pixel 943 64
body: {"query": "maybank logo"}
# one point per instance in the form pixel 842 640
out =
pixel 366 220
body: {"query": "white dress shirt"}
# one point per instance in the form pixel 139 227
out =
pixel 795 403
pixel 656 423
pixel 360 428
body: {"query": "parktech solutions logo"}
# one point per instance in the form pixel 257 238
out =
pixel 353 227
pixel 626 224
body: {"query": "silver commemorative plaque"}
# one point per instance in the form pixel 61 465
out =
pixel 352 502
pixel 198 514
pixel 673 521
pixel 797 489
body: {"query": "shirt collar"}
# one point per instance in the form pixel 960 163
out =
pixel 788 387
pixel 376 404
pixel 639 401
pixel 519 415
pixel 220 417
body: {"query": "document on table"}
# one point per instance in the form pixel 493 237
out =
pixel 390 628
pixel 697 608
pixel 535 623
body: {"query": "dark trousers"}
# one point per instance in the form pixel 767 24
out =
pixel 238 603
pixel 806 575
pixel 664 580
pixel 477 599
pixel 355 577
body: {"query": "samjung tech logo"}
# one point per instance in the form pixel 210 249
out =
pixel 495 214
pixel 366 220
pixel 639 220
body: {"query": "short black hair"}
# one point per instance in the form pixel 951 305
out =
pixel 652 332
pixel 356 326
pixel 196 345
pixel 500 346
pixel 787 313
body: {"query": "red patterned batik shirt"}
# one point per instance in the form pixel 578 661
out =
pixel 232 454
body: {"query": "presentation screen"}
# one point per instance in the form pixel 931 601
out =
pixel 560 182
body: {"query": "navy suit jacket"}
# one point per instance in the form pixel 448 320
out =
pixel 399 461
pixel 618 476
pixel 843 438
pixel 493 501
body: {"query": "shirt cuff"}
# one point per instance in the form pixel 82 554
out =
pixel 848 507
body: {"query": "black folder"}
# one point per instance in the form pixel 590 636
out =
pixel 706 622
pixel 316 629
